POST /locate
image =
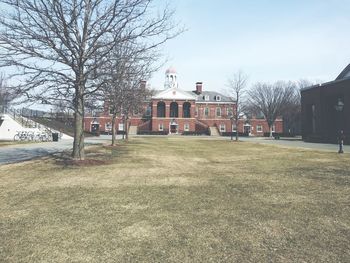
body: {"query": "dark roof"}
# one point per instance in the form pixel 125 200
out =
pixel 212 97
pixel 344 74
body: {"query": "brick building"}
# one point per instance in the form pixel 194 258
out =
pixel 325 110
pixel 176 111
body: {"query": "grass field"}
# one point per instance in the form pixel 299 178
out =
pixel 179 200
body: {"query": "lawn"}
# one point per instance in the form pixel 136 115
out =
pixel 175 199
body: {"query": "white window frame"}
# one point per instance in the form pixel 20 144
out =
pixel 196 112
pixel 273 128
pixel 206 115
pixel 108 126
pixel 160 127
pixel 186 127
pixel 222 127
pixel 218 98
pixel 234 128
pixel 259 128
pixel 206 98
pixel 121 126
pixel 216 112
pixel 229 111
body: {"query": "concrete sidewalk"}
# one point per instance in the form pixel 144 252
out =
pixel 24 152
pixel 296 143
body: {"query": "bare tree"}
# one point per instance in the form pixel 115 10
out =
pixel 292 112
pixel 126 90
pixel 237 87
pixel 6 94
pixel 271 99
pixel 56 46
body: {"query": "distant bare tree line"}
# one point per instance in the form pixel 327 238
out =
pixel 272 100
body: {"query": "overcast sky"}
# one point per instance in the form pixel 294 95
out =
pixel 269 40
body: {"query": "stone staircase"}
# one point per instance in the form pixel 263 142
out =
pixel 132 130
pixel 214 131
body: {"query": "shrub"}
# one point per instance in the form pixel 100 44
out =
pixel 196 133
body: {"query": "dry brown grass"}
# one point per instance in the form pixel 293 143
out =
pixel 179 200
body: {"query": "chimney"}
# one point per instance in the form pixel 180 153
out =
pixel 199 87
pixel 143 84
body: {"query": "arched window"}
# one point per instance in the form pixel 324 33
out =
pixel 206 112
pixel 186 110
pixel 218 112
pixel 174 110
pixel 161 109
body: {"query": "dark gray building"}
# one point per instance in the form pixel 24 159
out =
pixel 325 110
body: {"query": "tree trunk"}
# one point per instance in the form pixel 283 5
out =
pixel 236 129
pixel 126 129
pixel 78 144
pixel 113 129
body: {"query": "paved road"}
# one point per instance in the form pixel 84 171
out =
pixel 296 143
pixel 24 152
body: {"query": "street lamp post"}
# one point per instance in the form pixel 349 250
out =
pixel 339 108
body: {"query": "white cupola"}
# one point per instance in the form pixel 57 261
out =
pixel 170 78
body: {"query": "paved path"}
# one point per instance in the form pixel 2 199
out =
pixel 297 143
pixel 24 152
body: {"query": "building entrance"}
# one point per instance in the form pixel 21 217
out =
pixel 173 128
pixel 247 129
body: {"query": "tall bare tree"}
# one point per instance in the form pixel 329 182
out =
pixel 271 99
pixel 56 46
pixel 237 88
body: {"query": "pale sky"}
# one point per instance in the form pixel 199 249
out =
pixel 269 40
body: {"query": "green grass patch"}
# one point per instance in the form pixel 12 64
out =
pixel 175 199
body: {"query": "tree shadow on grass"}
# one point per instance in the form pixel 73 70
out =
pixel 105 155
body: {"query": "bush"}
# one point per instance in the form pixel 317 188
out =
pixel 195 133
pixel 121 132
pixel 274 134
pixel 240 134
pixel 165 132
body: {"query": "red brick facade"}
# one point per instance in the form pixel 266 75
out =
pixel 173 111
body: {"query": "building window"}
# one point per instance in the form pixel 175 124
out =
pixel 186 127
pixel 148 111
pixel 160 127
pixel 174 110
pixel 229 112
pixel 218 112
pixel 222 128
pixel 273 128
pixel 218 98
pixel 196 112
pixel 206 112
pixel 186 110
pixel 206 97
pixel 121 127
pixel 161 109
pixel 234 128
pixel 108 127
pixel 259 128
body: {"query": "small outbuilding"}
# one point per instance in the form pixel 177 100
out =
pixel 325 110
